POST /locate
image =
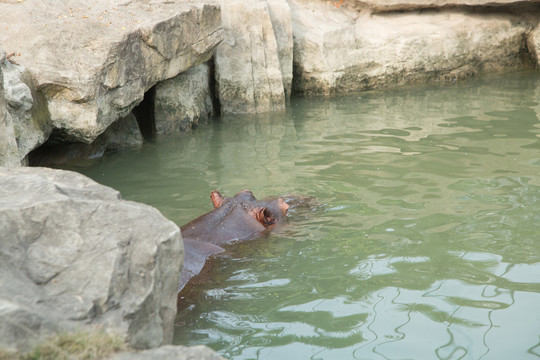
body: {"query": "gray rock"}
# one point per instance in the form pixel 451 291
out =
pixel 122 134
pixel 170 352
pixel 31 127
pixel 407 5
pixel 9 154
pixel 24 323
pixel 280 15
pixel 533 44
pixel 340 50
pixel 121 49
pixel 248 71
pixel 74 254
pixel 183 101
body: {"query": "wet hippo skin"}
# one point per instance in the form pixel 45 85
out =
pixel 241 217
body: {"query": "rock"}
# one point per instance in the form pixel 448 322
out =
pixel 74 254
pixel 340 50
pixel 533 44
pixel 9 154
pixel 183 101
pixel 31 127
pixel 67 153
pixel 280 15
pixel 122 134
pixel 170 352
pixel 23 324
pixel 248 71
pixel 407 5
pixel 121 49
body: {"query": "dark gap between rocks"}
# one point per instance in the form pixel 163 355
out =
pixel 144 113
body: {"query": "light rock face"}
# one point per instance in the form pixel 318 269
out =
pixel 72 253
pixel 170 352
pixel 182 102
pixel 280 15
pixel 122 48
pixel 249 75
pixel 533 44
pixel 339 50
pixel 9 155
pixel 29 122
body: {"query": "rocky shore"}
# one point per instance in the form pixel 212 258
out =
pixel 74 73
pixel 80 78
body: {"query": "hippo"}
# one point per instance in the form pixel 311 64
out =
pixel 237 218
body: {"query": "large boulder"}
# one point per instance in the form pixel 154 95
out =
pixel 338 49
pixel 72 253
pixel 182 102
pixel 94 62
pixel 249 75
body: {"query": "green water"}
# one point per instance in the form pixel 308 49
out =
pixel 425 243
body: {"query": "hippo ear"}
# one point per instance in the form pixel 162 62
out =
pixel 264 216
pixel 217 199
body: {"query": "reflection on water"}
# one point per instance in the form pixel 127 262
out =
pixel 425 246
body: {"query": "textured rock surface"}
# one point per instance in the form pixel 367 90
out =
pixel 121 49
pixel 73 253
pixel 184 101
pixel 30 125
pixel 533 44
pixel 248 71
pixel 122 134
pixel 170 352
pixel 339 50
pixel 9 155
pixel 280 15
pixel 400 5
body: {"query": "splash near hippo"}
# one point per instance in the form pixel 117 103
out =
pixel 241 217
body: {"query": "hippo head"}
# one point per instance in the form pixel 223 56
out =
pixel 266 212
pixel 241 217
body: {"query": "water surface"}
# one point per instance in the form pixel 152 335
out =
pixel 425 244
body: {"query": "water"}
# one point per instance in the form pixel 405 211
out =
pixel 424 245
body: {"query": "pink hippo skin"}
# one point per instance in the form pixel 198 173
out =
pixel 241 217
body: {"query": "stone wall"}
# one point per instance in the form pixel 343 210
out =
pixel 341 49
